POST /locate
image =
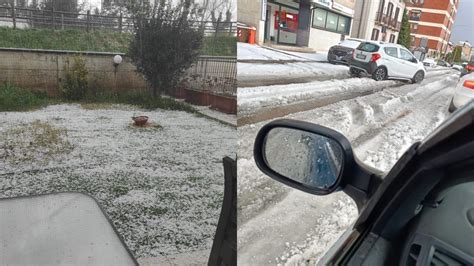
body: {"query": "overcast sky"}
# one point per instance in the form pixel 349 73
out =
pixel 463 28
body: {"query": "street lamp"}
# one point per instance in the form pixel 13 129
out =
pixel 117 60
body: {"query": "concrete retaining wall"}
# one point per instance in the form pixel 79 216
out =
pixel 44 70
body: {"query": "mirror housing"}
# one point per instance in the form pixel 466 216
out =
pixel 355 179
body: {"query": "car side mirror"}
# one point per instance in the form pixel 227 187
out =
pixel 312 158
pixel 414 60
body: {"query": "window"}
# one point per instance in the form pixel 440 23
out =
pixel 391 51
pixel 381 6
pixel 396 14
pixel 319 18
pixel 375 35
pixel 368 47
pixel 405 55
pixel 330 21
pixel 389 10
pixel 415 15
pixel 343 24
pixel 392 38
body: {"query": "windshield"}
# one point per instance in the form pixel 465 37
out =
pixel 350 43
pixel 368 47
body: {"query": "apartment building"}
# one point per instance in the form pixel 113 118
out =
pixel 378 20
pixel 431 22
pixel 315 24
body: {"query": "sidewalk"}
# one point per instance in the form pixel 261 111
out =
pixel 247 53
pixel 228 119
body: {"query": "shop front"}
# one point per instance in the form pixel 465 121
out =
pixel 281 22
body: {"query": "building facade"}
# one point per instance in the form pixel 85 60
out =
pixel 431 22
pixel 315 24
pixel 462 52
pixel 378 20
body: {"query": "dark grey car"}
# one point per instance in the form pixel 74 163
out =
pixel 342 53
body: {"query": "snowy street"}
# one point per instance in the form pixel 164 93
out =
pixel 280 225
pixel 264 66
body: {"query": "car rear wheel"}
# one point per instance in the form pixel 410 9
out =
pixel 354 72
pixel 380 74
pixel 419 76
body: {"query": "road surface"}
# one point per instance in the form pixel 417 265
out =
pixel 280 225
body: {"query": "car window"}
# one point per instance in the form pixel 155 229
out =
pixel 350 43
pixel 368 47
pixel 405 55
pixel 391 51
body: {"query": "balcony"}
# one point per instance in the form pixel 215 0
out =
pixel 384 20
pixel 394 24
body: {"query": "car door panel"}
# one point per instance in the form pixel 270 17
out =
pixel 392 61
pixel 409 68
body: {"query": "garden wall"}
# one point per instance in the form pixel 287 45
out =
pixel 212 81
pixel 43 70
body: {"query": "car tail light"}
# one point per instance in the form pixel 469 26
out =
pixel 469 84
pixel 375 57
pixel 353 54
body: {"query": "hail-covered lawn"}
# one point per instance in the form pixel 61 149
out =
pixel 161 185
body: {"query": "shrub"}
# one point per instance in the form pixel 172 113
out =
pixel 166 42
pixel 17 99
pixel 74 86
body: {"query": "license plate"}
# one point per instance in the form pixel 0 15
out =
pixel 361 56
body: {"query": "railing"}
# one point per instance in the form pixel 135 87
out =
pixel 381 18
pixel 36 18
pixel 394 24
pixel 388 21
pixel 214 74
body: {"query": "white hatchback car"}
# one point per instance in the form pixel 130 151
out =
pixel 429 62
pixel 463 93
pixel 386 61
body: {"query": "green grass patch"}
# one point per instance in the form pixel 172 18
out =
pixel 37 141
pixel 144 100
pixel 141 99
pixel 219 46
pixel 13 98
pixel 97 41
pixel 70 39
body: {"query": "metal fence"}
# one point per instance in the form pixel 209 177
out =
pixel 214 74
pixel 36 18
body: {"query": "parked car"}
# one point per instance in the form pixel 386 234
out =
pixel 419 213
pixel 342 52
pixel 429 62
pixel 386 61
pixel 457 67
pixel 470 66
pixel 463 93
pixel 443 63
